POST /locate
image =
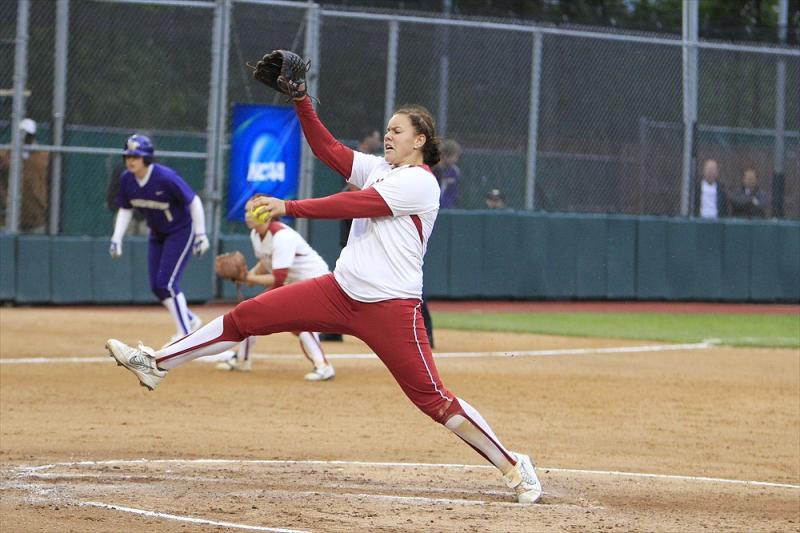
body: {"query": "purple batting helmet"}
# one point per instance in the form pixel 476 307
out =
pixel 139 145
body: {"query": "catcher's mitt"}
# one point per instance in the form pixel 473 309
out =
pixel 232 266
pixel 283 71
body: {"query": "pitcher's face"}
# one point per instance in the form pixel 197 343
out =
pixel 402 145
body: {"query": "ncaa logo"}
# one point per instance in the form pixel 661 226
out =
pixel 266 159
pixel 270 171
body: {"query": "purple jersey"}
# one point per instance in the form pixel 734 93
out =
pixel 164 199
pixel 448 183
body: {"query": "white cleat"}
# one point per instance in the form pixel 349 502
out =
pixel 323 373
pixel 233 364
pixel 141 361
pixel 522 478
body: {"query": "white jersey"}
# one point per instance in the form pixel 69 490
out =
pixel 283 247
pixel 384 255
pixel 708 200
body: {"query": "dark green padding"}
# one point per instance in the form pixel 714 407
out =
pixel 736 244
pixel 466 247
pixel 436 269
pixel 33 269
pixel 789 261
pixel 708 260
pixel 71 270
pixel 652 245
pixel 561 256
pixel 533 255
pixel 8 267
pixel 591 269
pixel 111 278
pixel 621 257
pixel 765 278
pixel 471 254
pixel 501 267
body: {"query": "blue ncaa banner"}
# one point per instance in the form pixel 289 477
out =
pixel 265 155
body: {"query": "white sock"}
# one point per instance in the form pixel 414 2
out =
pixel 169 303
pixel 180 318
pixel 183 309
pixel 309 342
pixel 195 345
pixel 477 432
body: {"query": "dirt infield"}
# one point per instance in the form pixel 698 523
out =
pixel 695 438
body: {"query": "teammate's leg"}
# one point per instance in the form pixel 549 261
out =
pixel 182 321
pixel 174 258
pixel 312 348
pixel 395 331
pixel 245 348
pixel 426 318
pixel 239 360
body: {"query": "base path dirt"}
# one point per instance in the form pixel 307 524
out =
pixel 716 431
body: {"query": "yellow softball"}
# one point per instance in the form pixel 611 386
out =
pixel 260 214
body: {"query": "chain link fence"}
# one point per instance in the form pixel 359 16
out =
pixel 552 119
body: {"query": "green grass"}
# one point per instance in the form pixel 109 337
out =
pixel 735 330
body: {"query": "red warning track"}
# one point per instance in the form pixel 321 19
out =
pixel 612 307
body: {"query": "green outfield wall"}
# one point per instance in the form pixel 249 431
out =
pixel 472 254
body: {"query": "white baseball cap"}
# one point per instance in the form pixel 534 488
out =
pixel 28 126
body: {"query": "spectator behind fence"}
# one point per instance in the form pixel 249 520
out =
pixel 35 181
pixel 712 200
pixel 749 201
pixel 447 174
pixel 495 199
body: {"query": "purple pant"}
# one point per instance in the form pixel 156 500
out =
pixel 167 256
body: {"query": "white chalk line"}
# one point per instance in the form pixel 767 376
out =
pixel 443 355
pixel 35 471
pixel 190 519
pixel 25 470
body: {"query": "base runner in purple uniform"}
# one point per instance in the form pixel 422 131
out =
pixel 174 214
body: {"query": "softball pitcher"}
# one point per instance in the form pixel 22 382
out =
pixel 375 290
pixel 284 257
pixel 176 220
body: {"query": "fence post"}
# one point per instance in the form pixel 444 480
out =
pixel 59 109
pixel 643 153
pixel 391 70
pixel 690 30
pixel 780 117
pixel 222 120
pixel 533 122
pixel 311 48
pixel 13 200
pixel 212 132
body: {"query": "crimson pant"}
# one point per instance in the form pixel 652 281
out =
pixel 394 329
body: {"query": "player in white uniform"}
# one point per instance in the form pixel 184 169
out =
pixel 375 291
pixel 284 257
